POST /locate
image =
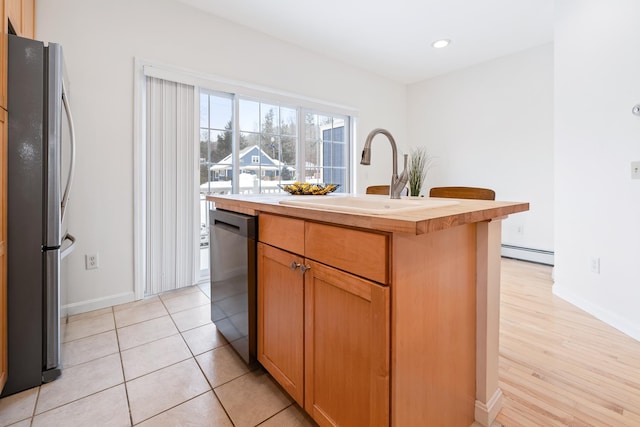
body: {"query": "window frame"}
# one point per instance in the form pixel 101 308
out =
pixel 301 155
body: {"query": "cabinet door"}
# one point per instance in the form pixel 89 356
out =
pixel 21 13
pixel 346 348
pixel 281 318
pixel 3 248
pixel 28 19
pixel 13 13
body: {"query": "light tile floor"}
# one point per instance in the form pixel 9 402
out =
pixel 155 362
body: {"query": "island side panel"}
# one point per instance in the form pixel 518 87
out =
pixel 433 328
pixel 488 392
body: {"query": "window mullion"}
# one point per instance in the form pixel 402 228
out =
pixel 301 145
pixel 347 152
pixel 235 146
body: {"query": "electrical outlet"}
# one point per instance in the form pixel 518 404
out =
pixel 635 170
pixel 520 229
pixel 595 265
pixel 91 261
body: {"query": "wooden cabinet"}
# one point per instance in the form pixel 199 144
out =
pixel 13 15
pixel 21 15
pixel 28 14
pixel 3 249
pixel 323 333
pixel 281 318
pixel 3 198
pixel 346 348
pixel 414 298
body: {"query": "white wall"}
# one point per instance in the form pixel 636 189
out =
pixel 596 137
pixel 491 125
pixel 100 40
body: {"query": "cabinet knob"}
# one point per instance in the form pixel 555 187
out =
pixel 304 268
pixel 294 265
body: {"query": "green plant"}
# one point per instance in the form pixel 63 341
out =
pixel 419 162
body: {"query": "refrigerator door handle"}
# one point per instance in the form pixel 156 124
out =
pixel 67 251
pixel 72 160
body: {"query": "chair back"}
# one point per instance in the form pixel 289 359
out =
pixel 384 189
pixel 378 189
pixel 463 193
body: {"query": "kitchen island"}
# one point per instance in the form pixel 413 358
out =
pixel 385 319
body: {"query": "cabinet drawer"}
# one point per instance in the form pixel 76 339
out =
pixel 282 232
pixel 362 253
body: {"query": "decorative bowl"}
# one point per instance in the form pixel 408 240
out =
pixel 309 189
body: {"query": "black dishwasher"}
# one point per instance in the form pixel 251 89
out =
pixel 233 250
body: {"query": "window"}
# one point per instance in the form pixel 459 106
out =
pixel 327 149
pixel 268 145
pixel 216 141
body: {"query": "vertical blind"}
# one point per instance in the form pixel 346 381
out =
pixel 172 224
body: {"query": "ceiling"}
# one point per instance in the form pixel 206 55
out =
pixel 393 37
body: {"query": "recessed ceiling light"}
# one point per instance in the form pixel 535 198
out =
pixel 439 44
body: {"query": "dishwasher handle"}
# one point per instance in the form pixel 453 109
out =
pixel 244 225
pixel 229 227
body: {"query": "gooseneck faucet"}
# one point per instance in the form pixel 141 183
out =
pixel 397 183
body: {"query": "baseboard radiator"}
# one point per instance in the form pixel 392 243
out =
pixel 527 254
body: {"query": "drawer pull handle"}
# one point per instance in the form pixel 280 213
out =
pixel 305 268
pixel 294 265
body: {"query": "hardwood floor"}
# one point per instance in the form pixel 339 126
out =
pixel 560 366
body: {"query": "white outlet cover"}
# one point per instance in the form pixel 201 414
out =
pixel 635 170
pixel 91 261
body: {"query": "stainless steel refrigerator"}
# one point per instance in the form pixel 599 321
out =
pixel 40 142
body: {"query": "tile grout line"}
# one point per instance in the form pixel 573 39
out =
pixel 172 407
pixel 124 379
pixel 231 380
pixel 71 401
pixel 277 413
pixel 35 405
pixel 211 388
pixel 74 366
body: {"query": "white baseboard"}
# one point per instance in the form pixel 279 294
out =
pixel 96 304
pixel 486 413
pixel 527 254
pixel 611 319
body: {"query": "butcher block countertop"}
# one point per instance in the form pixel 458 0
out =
pixel 411 222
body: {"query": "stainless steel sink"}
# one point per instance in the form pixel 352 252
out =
pixel 370 204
